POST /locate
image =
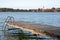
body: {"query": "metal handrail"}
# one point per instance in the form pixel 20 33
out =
pixel 8 19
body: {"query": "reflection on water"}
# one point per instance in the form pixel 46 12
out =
pixel 18 34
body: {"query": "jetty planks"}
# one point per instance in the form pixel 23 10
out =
pixel 36 28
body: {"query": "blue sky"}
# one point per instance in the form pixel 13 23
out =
pixel 27 4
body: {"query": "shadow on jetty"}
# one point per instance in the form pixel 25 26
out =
pixel 51 34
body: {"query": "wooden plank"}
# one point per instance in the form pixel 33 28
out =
pixel 48 30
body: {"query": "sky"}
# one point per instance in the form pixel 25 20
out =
pixel 28 4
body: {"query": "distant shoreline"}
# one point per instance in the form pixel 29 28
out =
pixel 30 10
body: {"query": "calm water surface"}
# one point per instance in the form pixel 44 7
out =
pixel 49 18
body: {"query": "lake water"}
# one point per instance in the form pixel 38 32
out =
pixel 48 18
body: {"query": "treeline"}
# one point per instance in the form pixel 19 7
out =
pixel 30 10
pixel 12 10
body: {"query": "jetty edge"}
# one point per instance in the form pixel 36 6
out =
pixel 47 30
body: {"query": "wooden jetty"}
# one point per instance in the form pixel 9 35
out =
pixel 35 28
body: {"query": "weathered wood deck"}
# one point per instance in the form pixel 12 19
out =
pixel 37 28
